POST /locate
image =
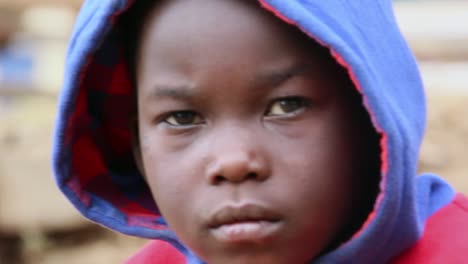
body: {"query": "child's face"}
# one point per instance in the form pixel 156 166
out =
pixel 247 143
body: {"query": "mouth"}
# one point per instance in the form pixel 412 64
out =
pixel 245 223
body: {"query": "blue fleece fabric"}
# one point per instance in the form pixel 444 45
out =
pixel 362 35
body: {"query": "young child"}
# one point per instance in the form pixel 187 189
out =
pixel 240 131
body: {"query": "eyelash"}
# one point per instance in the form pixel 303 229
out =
pixel 301 104
pixel 194 119
pixel 192 115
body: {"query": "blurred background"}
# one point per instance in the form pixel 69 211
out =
pixel 37 225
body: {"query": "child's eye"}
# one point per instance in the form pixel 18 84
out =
pixel 288 106
pixel 183 118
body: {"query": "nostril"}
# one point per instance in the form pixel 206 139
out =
pixel 219 179
pixel 251 176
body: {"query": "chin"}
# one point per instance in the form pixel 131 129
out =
pixel 251 260
pixel 251 255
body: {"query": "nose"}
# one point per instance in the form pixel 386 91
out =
pixel 238 162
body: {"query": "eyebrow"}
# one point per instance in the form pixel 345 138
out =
pixel 272 78
pixel 277 77
pixel 177 92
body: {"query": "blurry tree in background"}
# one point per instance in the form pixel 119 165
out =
pixel 37 225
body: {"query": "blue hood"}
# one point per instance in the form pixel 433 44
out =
pixel 93 161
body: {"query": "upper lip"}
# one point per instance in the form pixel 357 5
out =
pixel 231 214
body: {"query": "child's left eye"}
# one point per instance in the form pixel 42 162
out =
pixel 287 106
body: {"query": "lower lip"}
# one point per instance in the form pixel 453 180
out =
pixel 252 231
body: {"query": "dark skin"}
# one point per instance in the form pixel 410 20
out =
pixel 248 136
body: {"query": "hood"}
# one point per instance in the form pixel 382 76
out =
pixel 93 161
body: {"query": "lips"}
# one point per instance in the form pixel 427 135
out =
pixel 245 223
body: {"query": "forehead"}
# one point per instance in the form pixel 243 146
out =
pixel 212 43
pixel 213 29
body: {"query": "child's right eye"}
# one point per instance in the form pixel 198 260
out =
pixel 183 118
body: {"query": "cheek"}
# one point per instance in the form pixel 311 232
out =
pixel 171 188
pixel 316 164
pixel 166 170
pixel 173 175
pixel 320 145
